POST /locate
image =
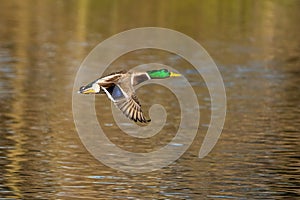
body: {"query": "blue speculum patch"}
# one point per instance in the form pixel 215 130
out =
pixel 117 93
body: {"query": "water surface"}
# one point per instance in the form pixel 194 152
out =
pixel 256 46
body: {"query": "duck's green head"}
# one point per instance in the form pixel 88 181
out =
pixel 161 74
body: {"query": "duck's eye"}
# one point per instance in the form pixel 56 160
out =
pixel 81 88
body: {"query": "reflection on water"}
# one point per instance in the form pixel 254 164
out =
pixel 255 44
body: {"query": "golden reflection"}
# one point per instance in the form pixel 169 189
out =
pixel 20 36
pixel 81 31
pixel 47 38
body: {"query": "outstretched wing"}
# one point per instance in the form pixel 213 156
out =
pixel 127 103
pixel 132 109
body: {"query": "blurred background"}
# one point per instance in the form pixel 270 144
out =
pixel 256 46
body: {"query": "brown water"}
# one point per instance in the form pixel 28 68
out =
pixel 256 45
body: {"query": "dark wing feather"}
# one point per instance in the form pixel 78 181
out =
pixel 132 109
pixel 140 78
pixel 129 105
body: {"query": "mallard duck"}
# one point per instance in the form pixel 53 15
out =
pixel 119 87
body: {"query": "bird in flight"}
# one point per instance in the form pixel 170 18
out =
pixel 119 87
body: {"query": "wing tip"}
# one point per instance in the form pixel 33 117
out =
pixel 144 120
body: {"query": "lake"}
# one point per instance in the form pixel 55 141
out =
pixel 256 46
